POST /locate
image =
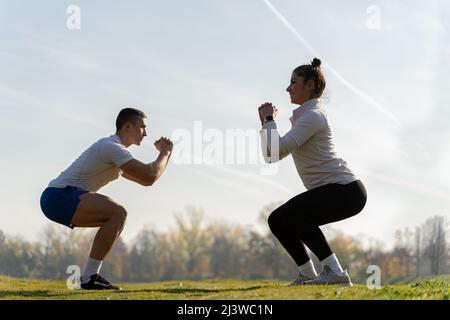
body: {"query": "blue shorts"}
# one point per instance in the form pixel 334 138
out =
pixel 59 204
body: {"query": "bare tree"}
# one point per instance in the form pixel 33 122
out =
pixel 435 243
pixel 418 249
pixel 2 239
pixel 193 240
pixel 403 251
pixel 274 250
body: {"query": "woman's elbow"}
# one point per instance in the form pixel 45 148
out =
pixel 271 159
pixel 275 155
pixel 267 160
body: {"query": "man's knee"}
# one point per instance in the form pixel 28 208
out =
pixel 120 214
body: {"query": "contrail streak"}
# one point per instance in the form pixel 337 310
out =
pixel 366 97
pixel 371 101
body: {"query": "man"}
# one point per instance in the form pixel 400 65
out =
pixel 72 199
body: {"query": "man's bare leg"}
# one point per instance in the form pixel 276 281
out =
pixel 107 236
pixel 96 210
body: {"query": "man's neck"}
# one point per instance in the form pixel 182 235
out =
pixel 123 140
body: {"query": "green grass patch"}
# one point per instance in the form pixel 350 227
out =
pixel 12 288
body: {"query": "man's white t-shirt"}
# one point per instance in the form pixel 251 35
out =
pixel 310 143
pixel 95 167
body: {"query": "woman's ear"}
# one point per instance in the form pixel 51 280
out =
pixel 310 84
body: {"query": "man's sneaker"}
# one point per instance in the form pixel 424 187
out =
pixel 97 282
pixel 301 279
pixel 328 276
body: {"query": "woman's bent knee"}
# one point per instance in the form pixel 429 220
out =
pixel 275 220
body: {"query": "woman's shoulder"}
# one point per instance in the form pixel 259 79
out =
pixel 316 115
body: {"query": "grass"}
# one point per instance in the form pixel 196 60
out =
pixel 430 289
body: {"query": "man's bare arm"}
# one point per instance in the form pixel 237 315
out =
pixel 147 174
pixel 133 178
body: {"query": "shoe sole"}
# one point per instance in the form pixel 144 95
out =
pixel 342 284
pixel 101 289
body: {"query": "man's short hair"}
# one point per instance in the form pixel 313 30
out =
pixel 128 115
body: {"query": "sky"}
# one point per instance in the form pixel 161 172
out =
pixel 202 68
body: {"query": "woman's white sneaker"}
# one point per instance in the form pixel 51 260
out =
pixel 328 276
pixel 301 279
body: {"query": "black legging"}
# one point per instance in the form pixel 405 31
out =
pixel 296 223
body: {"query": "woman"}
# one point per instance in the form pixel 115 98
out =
pixel 333 191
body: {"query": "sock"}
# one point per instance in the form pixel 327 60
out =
pixel 333 262
pixel 308 270
pixel 92 267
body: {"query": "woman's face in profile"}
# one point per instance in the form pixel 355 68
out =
pixel 299 91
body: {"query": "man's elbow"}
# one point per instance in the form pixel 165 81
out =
pixel 149 181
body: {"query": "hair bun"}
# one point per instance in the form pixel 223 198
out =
pixel 316 63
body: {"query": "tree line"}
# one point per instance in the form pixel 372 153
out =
pixel 194 249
